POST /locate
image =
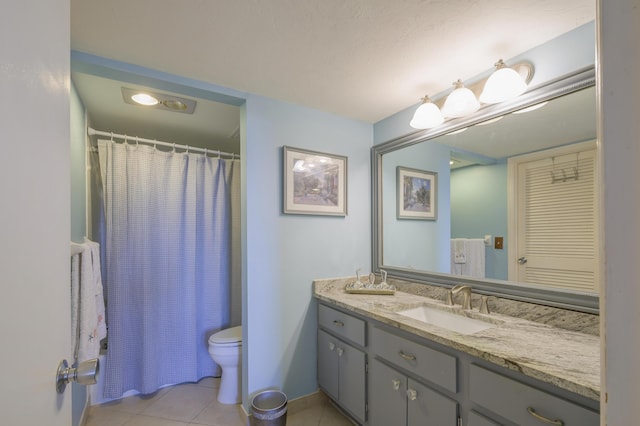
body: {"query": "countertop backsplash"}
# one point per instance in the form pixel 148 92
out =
pixel 556 317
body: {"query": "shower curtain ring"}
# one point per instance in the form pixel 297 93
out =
pixel 111 136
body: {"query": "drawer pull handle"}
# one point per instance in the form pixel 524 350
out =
pixel 543 419
pixel 396 384
pixel 338 323
pixel 340 351
pixel 412 394
pixel 332 346
pixel 408 357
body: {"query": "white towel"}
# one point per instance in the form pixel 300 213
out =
pixel 468 257
pixel 87 302
pixel 459 250
pixel 99 292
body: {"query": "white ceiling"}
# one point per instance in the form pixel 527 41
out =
pixel 363 59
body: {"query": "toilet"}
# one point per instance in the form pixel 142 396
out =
pixel 225 348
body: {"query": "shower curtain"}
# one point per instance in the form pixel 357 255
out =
pixel 167 241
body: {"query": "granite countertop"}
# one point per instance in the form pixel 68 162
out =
pixel 567 359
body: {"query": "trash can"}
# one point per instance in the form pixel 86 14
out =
pixel 269 409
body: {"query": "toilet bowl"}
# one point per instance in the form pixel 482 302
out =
pixel 225 348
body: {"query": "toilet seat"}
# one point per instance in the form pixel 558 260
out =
pixel 228 337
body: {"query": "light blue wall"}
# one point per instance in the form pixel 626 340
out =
pixel 479 207
pixel 403 249
pixel 285 253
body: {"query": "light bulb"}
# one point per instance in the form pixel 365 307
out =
pixel 145 99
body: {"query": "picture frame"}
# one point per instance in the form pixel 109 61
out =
pixel 417 194
pixel 314 183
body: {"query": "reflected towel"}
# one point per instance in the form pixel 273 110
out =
pixel 468 257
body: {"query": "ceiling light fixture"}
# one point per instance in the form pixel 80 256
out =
pixel 144 99
pixel 460 102
pixel 157 100
pixel 505 83
pixel 427 115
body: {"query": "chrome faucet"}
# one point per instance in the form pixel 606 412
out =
pixel 466 295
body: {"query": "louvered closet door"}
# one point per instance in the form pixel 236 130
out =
pixel 557 221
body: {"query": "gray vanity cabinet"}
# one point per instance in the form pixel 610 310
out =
pixel 399 400
pixel 341 365
pixel 522 404
pixel 413 381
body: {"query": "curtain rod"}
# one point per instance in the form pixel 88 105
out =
pixel 187 148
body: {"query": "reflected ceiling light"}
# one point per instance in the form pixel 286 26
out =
pixel 460 102
pixel 493 120
pixel 531 108
pixel 145 99
pixel 455 132
pixel 505 83
pixel 427 115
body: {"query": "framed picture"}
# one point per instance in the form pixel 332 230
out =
pixel 314 183
pixel 417 194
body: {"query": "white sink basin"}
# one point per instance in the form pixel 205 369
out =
pixel 445 319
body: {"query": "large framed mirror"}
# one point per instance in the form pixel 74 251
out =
pixel 492 143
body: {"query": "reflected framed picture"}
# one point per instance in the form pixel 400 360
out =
pixel 417 194
pixel 315 183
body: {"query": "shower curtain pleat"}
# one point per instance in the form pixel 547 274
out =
pixel 168 264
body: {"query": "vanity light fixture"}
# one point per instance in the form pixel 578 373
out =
pixel 505 83
pixel 427 115
pixel 460 102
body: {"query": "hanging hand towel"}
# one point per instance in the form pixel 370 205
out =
pixel 468 257
pixel 87 316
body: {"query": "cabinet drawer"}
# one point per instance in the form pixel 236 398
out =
pixel 424 362
pixel 341 324
pixel 520 403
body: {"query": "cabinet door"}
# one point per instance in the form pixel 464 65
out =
pixel 427 407
pixel 352 380
pixel 387 396
pixel 476 419
pixel 328 364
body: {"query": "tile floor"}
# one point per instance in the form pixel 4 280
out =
pixel 196 404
